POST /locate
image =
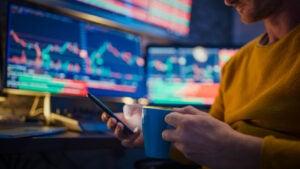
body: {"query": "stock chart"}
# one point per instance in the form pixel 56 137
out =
pixel 61 54
pixel 180 75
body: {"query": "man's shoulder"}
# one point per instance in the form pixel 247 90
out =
pixel 243 55
pixel 246 49
pixel 252 44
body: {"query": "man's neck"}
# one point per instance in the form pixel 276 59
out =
pixel 283 21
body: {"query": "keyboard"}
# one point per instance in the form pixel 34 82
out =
pixel 25 130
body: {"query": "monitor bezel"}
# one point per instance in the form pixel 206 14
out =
pixel 178 45
pixel 68 13
pixel 155 32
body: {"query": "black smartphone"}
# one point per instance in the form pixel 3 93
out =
pixel 108 111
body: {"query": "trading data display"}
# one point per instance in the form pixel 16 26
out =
pixel 49 52
pixel 185 75
pixel 171 15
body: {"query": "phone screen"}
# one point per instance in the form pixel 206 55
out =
pixel 108 111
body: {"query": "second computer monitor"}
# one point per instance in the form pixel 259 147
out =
pixel 185 75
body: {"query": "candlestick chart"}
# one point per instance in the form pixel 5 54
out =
pixel 60 54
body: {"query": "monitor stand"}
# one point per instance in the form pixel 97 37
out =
pixel 34 110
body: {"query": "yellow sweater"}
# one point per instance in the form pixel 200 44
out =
pixel 260 96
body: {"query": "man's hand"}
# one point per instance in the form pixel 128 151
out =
pixel 210 142
pixel 127 140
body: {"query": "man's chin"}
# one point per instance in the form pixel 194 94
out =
pixel 249 20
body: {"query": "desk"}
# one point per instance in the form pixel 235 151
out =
pixel 68 150
pixel 60 142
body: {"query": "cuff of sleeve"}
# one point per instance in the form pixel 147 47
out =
pixel 279 153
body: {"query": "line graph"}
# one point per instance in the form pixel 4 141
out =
pixel 185 75
pixel 47 51
pixel 67 57
pixel 185 68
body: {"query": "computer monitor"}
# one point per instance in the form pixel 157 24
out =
pixel 185 75
pixel 47 51
pixel 156 17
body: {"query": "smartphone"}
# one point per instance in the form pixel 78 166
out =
pixel 108 111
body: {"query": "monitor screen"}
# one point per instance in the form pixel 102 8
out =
pixel 61 54
pixel 185 75
pixel 151 16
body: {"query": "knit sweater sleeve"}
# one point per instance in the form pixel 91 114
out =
pixel 217 108
pixel 279 153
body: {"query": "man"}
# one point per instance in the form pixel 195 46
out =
pixel 255 120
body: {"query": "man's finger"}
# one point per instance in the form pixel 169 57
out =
pixel 129 142
pixel 111 123
pixel 174 118
pixel 169 135
pixel 104 117
pixel 189 110
pixel 119 131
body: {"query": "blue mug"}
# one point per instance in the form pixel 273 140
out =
pixel 153 124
